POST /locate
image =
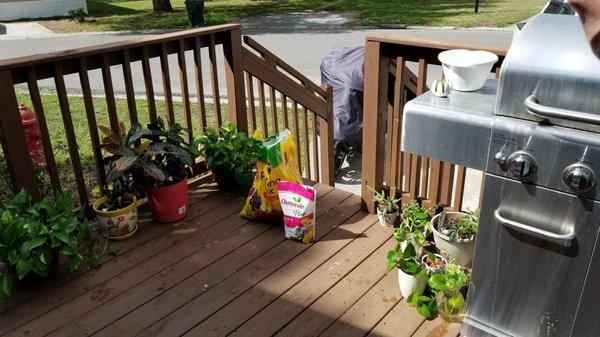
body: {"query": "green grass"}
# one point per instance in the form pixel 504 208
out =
pixel 107 15
pixel 82 133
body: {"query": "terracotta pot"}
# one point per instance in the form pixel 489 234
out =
pixel 460 252
pixel 121 223
pixel 409 284
pixel 169 203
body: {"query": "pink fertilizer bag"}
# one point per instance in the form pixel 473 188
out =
pixel 298 205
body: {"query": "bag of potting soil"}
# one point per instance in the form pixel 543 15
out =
pixel 277 162
pixel 298 205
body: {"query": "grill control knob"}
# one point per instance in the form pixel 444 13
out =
pixel 521 164
pixel 579 178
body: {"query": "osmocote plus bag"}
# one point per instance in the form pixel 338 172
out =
pixel 298 205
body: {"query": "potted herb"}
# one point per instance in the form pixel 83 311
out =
pixel 414 225
pixel 33 236
pixel 412 277
pixel 454 234
pixel 433 263
pixel 155 159
pixel 230 155
pixel 448 287
pixel 388 207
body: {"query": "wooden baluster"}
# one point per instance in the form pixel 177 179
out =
pixel 296 123
pixel 395 136
pixel 200 84
pixel 326 133
pixel 285 111
pixel 459 189
pixel 274 114
pixel 148 84
pixel 129 91
pixel 251 106
pixel 38 108
pixel 215 80
pixel 166 77
pixel 307 145
pixel 315 144
pixel 70 133
pixel 109 93
pixel 263 107
pixel 12 137
pixel 447 184
pixel 185 91
pixel 90 115
pixel 234 75
pixel 417 161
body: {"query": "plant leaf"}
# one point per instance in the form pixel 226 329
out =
pixel 31 244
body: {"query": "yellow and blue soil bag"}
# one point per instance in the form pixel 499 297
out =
pixel 277 162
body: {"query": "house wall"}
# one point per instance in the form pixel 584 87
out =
pixel 24 9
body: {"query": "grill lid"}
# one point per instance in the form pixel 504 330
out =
pixel 551 74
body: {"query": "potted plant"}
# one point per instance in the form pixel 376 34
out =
pixel 454 234
pixel 33 236
pixel 433 263
pixel 155 159
pixel 230 155
pixel 388 207
pixel 448 287
pixel 412 277
pixel 116 211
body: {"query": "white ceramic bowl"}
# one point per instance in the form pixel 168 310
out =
pixel 467 70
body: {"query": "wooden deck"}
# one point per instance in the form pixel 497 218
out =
pixel 217 274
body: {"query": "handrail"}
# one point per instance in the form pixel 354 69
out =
pixel 266 54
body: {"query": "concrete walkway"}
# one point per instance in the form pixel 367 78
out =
pixel 301 39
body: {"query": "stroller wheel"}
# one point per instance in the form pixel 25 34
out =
pixel 340 152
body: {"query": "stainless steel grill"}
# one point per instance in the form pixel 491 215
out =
pixel 535 133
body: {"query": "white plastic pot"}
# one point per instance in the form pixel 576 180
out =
pixel 460 252
pixel 409 283
pixel 387 219
pixel 467 70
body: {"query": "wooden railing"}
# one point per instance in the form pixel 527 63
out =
pixel 308 102
pixel 384 164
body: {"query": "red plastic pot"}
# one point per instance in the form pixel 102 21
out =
pixel 169 203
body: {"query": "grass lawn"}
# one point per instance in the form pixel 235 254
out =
pixel 109 15
pixel 59 141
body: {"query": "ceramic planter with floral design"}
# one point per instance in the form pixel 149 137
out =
pixel 121 223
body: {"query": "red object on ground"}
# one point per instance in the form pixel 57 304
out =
pixel 33 135
pixel 169 203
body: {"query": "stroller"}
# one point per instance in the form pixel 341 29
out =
pixel 343 69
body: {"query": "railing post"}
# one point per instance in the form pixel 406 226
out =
pixel 234 73
pixel 374 122
pixel 326 135
pixel 12 137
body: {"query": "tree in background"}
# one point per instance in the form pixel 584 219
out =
pixel 162 5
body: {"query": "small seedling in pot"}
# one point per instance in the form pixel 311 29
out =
pixel 462 228
pixel 388 206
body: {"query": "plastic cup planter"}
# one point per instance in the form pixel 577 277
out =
pixel 387 219
pixel 410 284
pixel 467 70
pixel 121 223
pixel 459 252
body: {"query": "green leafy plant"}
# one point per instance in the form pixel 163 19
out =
pixel 447 286
pixel 78 14
pixel 425 304
pixel 156 156
pixel 34 235
pixel 463 228
pixel 413 227
pixel 386 203
pixel 230 152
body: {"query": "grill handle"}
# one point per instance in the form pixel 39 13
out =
pixel 561 239
pixel 537 109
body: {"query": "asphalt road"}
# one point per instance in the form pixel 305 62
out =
pixel 302 47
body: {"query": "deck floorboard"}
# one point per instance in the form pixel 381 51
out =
pixel 216 274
